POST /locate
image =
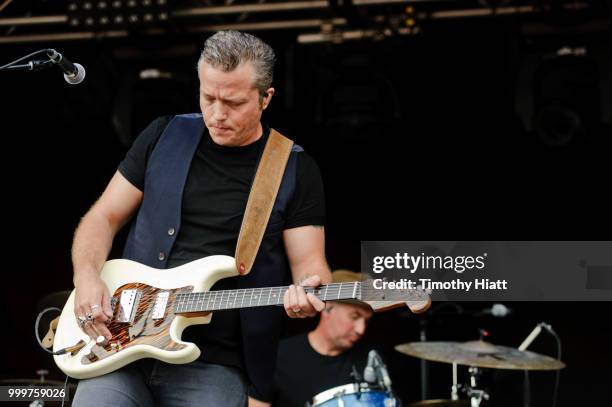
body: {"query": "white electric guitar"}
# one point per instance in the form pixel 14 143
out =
pixel 152 307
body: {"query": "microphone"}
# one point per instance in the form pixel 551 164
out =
pixel 369 375
pixel 382 369
pixel 35 65
pixel 534 334
pixel 376 370
pixel 496 310
pixel 73 73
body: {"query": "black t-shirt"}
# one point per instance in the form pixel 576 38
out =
pixel 214 199
pixel 302 372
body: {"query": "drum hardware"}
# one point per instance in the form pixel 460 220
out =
pixel 475 394
pixel 534 334
pixel 355 375
pixel 477 355
pixel 523 346
pixel 450 309
pixel 376 371
pixel 455 386
pixel 439 310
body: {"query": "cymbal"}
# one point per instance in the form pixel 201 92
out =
pixel 480 354
pixel 440 403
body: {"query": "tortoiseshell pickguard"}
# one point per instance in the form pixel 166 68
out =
pixel 144 330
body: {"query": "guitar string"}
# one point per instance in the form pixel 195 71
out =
pixel 190 302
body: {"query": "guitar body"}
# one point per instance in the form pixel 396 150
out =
pixel 144 324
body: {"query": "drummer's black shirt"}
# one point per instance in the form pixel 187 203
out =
pixel 302 372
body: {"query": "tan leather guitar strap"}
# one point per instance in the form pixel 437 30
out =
pixel 265 186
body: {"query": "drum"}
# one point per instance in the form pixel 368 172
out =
pixel 354 395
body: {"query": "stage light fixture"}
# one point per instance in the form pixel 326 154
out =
pixel 107 14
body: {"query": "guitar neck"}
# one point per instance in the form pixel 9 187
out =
pixel 258 297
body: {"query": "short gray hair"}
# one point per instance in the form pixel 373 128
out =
pixel 227 49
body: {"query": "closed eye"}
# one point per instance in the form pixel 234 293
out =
pixel 235 103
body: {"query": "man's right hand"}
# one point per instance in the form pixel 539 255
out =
pixel 92 305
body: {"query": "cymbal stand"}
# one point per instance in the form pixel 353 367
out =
pixel 455 388
pixel 471 390
pixel 475 394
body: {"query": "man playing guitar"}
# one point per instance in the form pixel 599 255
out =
pixel 189 204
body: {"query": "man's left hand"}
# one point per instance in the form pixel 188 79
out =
pixel 298 304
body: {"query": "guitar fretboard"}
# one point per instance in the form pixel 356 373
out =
pixel 259 297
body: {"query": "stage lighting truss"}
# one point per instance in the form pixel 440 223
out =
pixel 112 14
pixel 309 20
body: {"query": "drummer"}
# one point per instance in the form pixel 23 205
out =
pixel 327 357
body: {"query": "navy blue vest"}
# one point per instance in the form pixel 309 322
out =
pixel 158 222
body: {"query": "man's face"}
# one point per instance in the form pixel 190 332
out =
pixel 346 324
pixel 231 104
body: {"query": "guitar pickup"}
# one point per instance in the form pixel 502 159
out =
pixel 159 308
pixel 128 303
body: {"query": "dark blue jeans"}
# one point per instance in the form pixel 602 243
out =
pixel 149 382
